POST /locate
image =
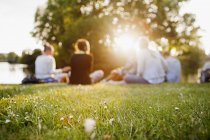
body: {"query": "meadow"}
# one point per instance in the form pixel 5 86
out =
pixel 58 111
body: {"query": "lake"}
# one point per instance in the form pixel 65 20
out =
pixel 11 73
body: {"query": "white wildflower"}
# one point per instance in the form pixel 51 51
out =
pixel 71 117
pixel 176 108
pixel 105 107
pixel 89 125
pixel 111 121
pixel 62 118
pixel 7 121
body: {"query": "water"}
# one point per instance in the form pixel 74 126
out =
pixel 11 73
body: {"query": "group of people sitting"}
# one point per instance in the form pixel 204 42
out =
pixel 146 67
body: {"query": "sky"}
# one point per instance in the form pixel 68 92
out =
pixel 201 10
pixel 17 21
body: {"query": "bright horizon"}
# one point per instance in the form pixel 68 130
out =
pixel 17 21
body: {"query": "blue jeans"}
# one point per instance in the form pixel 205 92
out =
pixel 132 78
pixel 49 80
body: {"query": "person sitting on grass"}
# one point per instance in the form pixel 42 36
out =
pixel 82 65
pixel 205 73
pixel 45 67
pixel 116 75
pixel 174 68
pixel 151 66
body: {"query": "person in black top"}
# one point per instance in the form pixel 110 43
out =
pixel 82 65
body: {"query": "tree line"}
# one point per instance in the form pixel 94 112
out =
pixel 62 22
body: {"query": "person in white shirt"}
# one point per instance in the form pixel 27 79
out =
pixel 174 68
pixel 151 67
pixel 45 67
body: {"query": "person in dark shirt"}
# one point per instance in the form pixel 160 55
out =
pixel 82 65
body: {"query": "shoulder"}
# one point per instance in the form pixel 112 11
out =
pixel 50 58
pixel 41 58
pixel 38 57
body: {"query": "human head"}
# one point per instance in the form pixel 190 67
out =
pixel 166 53
pixel 82 45
pixel 143 42
pixel 48 49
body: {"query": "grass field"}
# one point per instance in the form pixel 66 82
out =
pixel 52 111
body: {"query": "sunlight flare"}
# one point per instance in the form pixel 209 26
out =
pixel 125 41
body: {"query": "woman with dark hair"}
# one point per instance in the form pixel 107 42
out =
pixel 82 65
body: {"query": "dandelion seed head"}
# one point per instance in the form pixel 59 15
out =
pixel 89 125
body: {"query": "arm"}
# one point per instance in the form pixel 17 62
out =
pixel 91 62
pixel 52 67
pixel 128 66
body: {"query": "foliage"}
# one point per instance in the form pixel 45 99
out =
pixel 12 57
pixel 191 61
pixel 62 22
pixel 166 111
pixel 29 59
pixel 3 57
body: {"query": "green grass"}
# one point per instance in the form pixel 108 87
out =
pixel 167 111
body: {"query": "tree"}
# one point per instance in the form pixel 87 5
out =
pixel 62 22
pixel 191 60
pixel 29 59
pixel 3 57
pixel 12 57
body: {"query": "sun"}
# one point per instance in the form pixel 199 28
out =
pixel 125 41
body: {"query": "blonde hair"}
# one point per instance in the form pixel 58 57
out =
pixel 82 45
pixel 48 47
